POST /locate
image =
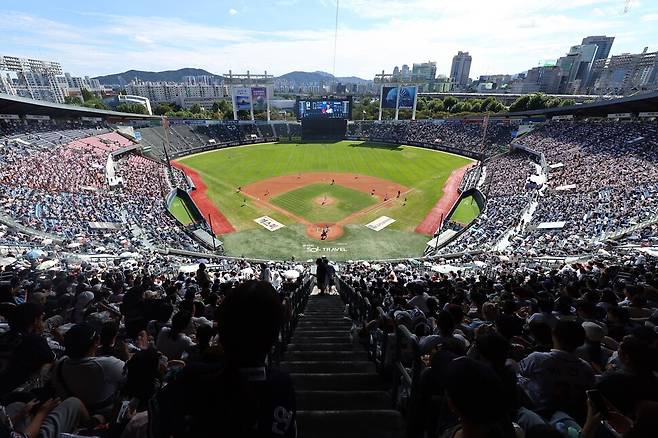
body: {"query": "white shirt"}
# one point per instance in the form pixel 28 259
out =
pixel 173 348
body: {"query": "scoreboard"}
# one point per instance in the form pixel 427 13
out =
pixel 324 108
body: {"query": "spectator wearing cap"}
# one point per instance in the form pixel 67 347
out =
pixel 94 380
pixel 23 350
pixel 545 315
pixel 592 351
pixel 557 380
pixel 82 298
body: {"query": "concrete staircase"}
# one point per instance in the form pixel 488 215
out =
pixel 339 393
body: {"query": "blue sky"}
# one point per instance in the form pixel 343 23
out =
pixel 506 36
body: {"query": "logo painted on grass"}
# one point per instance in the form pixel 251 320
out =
pixel 380 223
pixel 316 249
pixel 268 223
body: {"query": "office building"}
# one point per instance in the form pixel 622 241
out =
pixel 461 68
pixel 603 44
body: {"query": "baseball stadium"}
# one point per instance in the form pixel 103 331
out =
pixel 366 253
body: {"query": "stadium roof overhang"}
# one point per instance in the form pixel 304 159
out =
pixel 21 106
pixel 647 102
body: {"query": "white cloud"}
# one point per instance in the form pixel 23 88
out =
pixel 504 37
pixel 232 12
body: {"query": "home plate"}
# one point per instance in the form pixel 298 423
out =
pixel 380 223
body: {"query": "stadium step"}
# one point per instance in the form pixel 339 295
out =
pixel 315 346
pixel 335 367
pixel 326 355
pixel 346 381
pixel 342 400
pixel 339 392
pixel 347 424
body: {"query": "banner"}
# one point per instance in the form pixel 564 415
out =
pixel 268 223
pixel 407 97
pixel 242 98
pixel 389 97
pixel 259 98
pixel 380 223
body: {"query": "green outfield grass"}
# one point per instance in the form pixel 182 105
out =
pixel 423 170
pixel 180 211
pixel 466 211
pixel 302 202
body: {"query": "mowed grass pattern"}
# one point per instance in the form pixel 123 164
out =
pixel 423 170
pixel 302 202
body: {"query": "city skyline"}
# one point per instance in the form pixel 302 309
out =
pixel 288 35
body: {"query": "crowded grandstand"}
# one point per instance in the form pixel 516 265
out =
pixel 536 319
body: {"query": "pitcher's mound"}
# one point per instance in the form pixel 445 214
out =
pixel 324 200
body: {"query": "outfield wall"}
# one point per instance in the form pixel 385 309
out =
pixel 212 147
pixel 425 145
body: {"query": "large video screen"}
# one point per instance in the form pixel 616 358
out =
pixel 324 108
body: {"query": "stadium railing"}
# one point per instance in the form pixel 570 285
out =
pixel 294 306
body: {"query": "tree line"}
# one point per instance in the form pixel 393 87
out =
pixel 365 108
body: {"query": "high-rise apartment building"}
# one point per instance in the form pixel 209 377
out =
pixel 461 68
pixel 603 44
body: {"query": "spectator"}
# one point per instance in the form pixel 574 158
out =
pixel 23 350
pixel 172 342
pixel 557 380
pixel 94 380
pixel 223 403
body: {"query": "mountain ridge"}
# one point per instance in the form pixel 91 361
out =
pixel 177 76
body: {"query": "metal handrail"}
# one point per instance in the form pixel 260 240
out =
pixel 295 305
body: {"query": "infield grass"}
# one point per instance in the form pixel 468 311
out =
pixel 344 201
pixel 423 170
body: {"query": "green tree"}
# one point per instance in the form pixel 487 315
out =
pixel 95 103
pixel 195 109
pixel 476 105
pixel 222 106
pixel 568 102
pixel 88 95
pixel 537 101
pixel 520 104
pixel 436 106
pixel 72 100
pixel 496 106
pixel 134 108
pixel 460 107
pixel 163 108
pixel 421 104
pixel 449 102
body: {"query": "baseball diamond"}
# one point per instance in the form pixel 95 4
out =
pixel 324 194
